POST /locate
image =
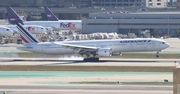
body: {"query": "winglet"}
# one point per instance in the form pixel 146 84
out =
pixel 13 17
pixel 50 15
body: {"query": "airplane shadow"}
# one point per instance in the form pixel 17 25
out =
pixel 81 61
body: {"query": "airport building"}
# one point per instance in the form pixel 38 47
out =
pixel 86 3
pixel 132 3
pixel 123 3
pixel 156 3
pixel 49 3
pixel 157 23
pixel 178 3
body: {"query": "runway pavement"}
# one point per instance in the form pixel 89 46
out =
pixel 88 89
pixel 102 62
pixel 24 85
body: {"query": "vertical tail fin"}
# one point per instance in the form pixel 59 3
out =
pixel 26 36
pixel 50 15
pixel 13 17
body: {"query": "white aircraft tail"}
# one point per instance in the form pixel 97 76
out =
pixel 26 36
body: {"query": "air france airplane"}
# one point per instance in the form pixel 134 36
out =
pixel 93 49
pixel 56 25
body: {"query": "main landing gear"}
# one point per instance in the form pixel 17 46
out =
pixel 91 58
pixel 95 59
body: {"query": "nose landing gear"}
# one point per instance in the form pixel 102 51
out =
pixel 157 54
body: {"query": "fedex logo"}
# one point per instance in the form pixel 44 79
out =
pixel 13 19
pixel 30 28
pixel 49 15
pixel 68 25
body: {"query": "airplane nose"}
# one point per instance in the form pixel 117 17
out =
pixel 167 45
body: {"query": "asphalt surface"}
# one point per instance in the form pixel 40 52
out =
pixel 88 89
pixel 91 87
pixel 102 62
pixel 97 89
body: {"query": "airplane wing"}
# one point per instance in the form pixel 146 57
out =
pixel 80 49
pixel 86 48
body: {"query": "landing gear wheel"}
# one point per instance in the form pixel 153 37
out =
pixel 91 59
pixel 157 56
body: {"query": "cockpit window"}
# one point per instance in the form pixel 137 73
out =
pixel 163 42
pixel 7 29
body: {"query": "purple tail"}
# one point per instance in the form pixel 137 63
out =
pixel 13 17
pixel 50 15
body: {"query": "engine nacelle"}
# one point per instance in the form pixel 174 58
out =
pixel 104 52
pixel 77 51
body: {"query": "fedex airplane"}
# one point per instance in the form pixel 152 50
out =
pixel 35 29
pixel 10 30
pixel 93 49
pixel 56 25
pixel 6 31
pixel 50 15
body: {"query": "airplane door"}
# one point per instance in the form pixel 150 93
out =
pixel 42 48
pixel 132 46
pixel 150 45
pixel 153 45
pixel 97 45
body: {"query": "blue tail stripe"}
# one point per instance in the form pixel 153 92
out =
pixel 31 37
pixel 24 35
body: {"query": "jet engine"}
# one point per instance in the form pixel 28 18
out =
pixel 104 52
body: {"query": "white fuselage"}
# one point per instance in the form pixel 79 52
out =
pixel 117 46
pixel 58 25
pixel 34 29
pixel 5 31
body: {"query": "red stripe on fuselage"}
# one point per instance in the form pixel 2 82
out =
pixel 24 39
